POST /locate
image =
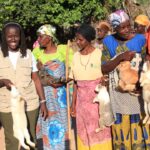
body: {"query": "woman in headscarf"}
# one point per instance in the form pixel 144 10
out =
pixel 128 131
pixel 51 63
pixel 142 26
pixel 141 23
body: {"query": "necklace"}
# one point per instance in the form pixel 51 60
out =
pixel 85 65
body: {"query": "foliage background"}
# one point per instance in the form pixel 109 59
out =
pixel 64 14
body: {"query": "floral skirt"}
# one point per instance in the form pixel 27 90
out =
pixel 130 134
pixel 54 131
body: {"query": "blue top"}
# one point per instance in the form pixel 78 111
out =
pixel 112 47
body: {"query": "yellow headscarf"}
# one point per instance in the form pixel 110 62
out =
pixel 49 30
pixel 142 20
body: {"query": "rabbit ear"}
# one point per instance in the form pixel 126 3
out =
pixel 13 88
pixel 141 78
pixel 145 67
pixel 14 91
pixel 97 88
pixel 148 65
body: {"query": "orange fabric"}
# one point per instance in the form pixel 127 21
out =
pixel 143 20
pixel 148 40
pixel 105 25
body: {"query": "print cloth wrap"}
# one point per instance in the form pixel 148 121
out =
pixel 87 119
pixel 48 30
pixel 117 18
pixel 54 130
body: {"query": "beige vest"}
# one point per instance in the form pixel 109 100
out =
pixel 21 78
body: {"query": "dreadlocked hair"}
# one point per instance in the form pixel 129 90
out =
pixel 22 44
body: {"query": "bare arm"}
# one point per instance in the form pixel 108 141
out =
pixel 38 85
pixel 5 82
pixel 40 92
pixel 74 98
pixel 112 64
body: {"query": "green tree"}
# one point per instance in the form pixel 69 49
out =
pixel 62 13
pixel 143 2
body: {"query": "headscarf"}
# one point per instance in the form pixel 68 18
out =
pixel 142 20
pixel 117 18
pixel 49 30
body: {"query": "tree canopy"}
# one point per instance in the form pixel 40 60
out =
pixel 62 13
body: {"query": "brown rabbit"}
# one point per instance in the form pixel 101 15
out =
pixel 128 77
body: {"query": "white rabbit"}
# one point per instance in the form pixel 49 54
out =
pixel 19 118
pixel 105 110
pixel 145 83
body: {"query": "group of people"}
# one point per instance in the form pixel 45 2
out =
pixel 40 77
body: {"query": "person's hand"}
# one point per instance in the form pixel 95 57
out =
pixel 104 80
pixel 44 110
pixel 73 111
pixel 54 85
pixel 7 83
pixel 126 56
pixel 39 65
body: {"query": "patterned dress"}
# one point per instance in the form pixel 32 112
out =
pixel 128 131
pixel 54 130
